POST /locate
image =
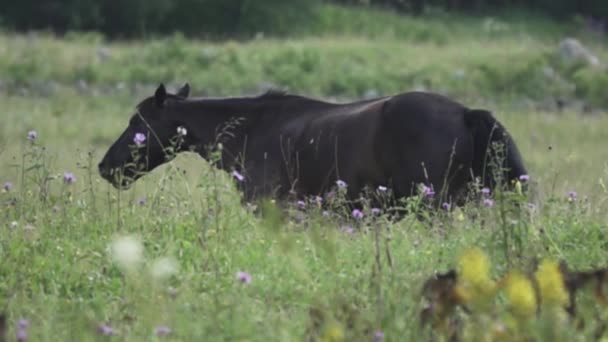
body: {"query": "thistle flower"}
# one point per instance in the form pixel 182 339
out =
pixel 446 206
pixel 572 196
pixel 551 284
pixel 488 202
pixel 524 178
pixel 69 178
pixel 341 184
pixel 427 191
pixel 139 139
pixel 32 135
pixel 142 201
pixel 6 187
pixel 521 295
pixel 485 191
pixel 382 188
pixel 376 211
pixel 21 335
pixel 357 214
pixel 378 335
pixel 243 277
pixel 23 323
pixel 105 330
pixel 301 204
pixel 239 177
pixel 162 330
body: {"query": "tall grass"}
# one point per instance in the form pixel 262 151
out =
pixel 80 259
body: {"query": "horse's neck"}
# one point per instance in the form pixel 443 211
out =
pixel 221 121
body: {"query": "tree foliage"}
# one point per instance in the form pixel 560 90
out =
pixel 218 18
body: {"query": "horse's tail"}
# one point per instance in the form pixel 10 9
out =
pixel 494 151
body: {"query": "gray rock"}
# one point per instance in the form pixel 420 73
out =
pixel 371 93
pixel 571 50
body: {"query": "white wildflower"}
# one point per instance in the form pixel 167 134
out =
pixel 163 268
pixel 127 251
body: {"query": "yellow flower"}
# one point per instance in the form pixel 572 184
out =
pixel 460 216
pixel 333 333
pixel 551 284
pixel 474 268
pixel 474 276
pixel 521 295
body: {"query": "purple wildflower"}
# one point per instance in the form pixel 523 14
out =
pixel 8 186
pixel 376 211
pixel 142 201
pixel 32 135
pixel 572 196
pixel 446 206
pixel 162 330
pixel 239 177
pixel 488 202
pixel 69 178
pixel 524 178
pixel 22 326
pixel 378 335
pixel 427 191
pixel 105 330
pixel 485 191
pixel 358 214
pixel 301 204
pixel 23 323
pixel 341 184
pixel 318 199
pixel 139 139
pixel 330 195
pixel 243 277
pixel 21 334
pixel 382 188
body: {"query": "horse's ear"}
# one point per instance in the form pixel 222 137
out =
pixel 184 91
pixel 160 95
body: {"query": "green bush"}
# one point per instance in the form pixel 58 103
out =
pixel 591 84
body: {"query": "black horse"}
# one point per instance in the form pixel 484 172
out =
pixel 286 144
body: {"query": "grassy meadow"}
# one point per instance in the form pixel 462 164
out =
pixel 70 269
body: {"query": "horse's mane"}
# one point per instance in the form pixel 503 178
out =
pixel 273 93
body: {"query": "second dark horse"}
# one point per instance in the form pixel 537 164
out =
pixel 286 144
